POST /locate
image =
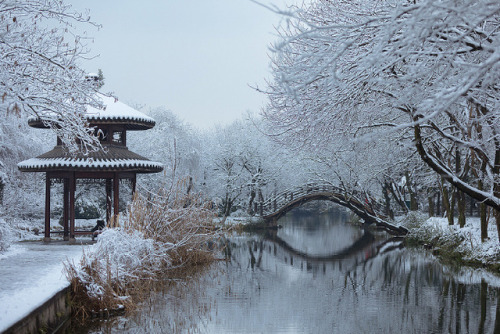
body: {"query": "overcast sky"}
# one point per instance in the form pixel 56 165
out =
pixel 195 57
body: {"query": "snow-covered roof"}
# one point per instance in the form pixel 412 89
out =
pixel 114 112
pixel 113 158
pixel 42 165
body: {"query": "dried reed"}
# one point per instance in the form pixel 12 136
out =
pixel 163 232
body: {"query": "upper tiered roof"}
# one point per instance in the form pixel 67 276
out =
pixel 115 119
pixel 114 112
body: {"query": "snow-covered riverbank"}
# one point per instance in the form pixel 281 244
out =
pixel 455 242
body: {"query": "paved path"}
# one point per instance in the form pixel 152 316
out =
pixel 31 272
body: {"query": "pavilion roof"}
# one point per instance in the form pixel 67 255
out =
pixel 112 158
pixel 114 112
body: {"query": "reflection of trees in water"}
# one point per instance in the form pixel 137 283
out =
pixel 420 292
pixel 373 290
pixel 416 282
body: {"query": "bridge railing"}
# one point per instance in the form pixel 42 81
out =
pixel 273 203
pixel 361 203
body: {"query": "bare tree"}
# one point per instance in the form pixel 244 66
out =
pixel 39 68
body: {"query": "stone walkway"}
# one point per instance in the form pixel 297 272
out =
pixel 31 272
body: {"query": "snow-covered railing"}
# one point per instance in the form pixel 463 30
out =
pixel 274 203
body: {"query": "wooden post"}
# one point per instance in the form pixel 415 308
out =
pixel 116 198
pixel 66 209
pixel 47 209
pixel 72 189
pixel 108 201
pixel 134 183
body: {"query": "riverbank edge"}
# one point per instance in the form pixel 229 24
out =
pixel 453 245
pixel 448 253
pixel 46 318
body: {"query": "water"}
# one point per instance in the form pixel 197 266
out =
pixel 319 274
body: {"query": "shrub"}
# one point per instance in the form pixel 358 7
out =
pixel 413 220
pixel 163 232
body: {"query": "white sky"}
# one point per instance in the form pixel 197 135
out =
pixel 195 57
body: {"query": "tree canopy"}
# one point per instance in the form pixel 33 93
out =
pixel 39 68
pixel 425 71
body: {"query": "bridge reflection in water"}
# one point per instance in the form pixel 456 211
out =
pixel 296 281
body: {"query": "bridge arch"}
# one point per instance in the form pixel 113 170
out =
pixel 281 204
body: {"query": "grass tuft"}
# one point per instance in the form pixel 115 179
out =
pixel 169 231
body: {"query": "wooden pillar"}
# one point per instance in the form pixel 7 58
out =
pixel 47 209
pixel 66 209
pixel 116 198
pixel 72 189
pixel 134 183
pixel 108 200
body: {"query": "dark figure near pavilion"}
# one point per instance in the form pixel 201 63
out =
pixel 97 228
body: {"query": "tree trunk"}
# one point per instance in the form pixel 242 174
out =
pixel 484 222
pixel 471 206
pixel 387 201
pixel 446 202
pixel 430 199
pixel 453 200
pixel 483 216
pixel 438 204
pixel 250 209
pixel 397 198
pixel 461 203
pixel 497 220
pixel 413 195
pixel 413 202
pixel 229 205
pixel 261 203
pixel 2 187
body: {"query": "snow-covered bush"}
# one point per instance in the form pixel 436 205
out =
pixel 166 231
pixel 5 236
pixel 413 219
pixel 434 231
pixel 464 244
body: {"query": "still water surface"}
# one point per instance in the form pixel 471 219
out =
pixel 319 274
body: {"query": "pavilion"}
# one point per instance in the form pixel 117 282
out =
pixel 112 164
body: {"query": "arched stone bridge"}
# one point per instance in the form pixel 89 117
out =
pixel 368 209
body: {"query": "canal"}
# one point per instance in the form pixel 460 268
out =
pixel 319 274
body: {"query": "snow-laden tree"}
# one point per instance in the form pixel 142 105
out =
pixel 171 142
pixel 223 174
pixel 176 145
pixel 21 193
pixel 41 51
pixel 343 67
pixel 243 167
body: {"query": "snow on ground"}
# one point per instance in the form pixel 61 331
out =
pixel 31 272
pixel 468 238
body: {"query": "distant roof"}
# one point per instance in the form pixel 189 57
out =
pixel 114 158
pixel 114 112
